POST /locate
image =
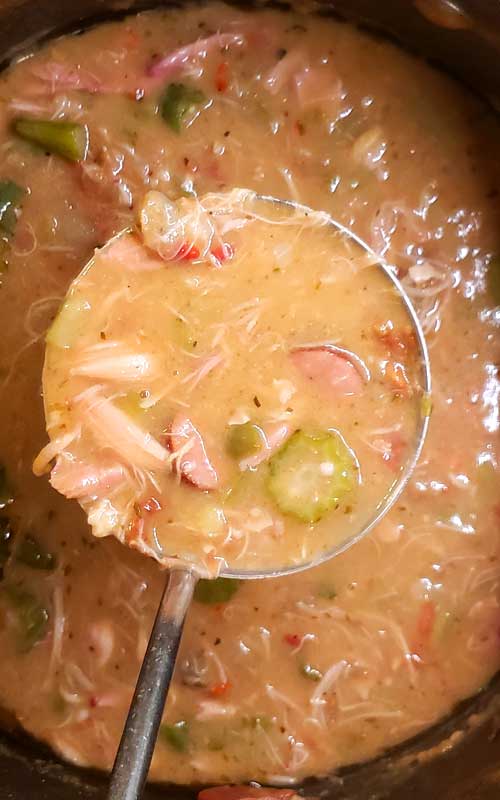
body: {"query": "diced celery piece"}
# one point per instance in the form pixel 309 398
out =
pixel 219 590
pixel 178 102
pixel 69 323
pixel 176 735
pixel 69 140
pixel 244 440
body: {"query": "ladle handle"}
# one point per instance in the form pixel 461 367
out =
pixel 138 740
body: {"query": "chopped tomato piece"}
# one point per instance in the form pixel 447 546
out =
pixel 293 639
pixel 151 505
pixel 223 252
pixel 222 77
pixel 187 252
pixel 220 689
pixel 396 340
pixel 396 375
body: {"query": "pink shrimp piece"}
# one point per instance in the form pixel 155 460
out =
pixel 182 58
pixel 332 369
pixel 274 436
pixel 317 88
pixel 192 462
pixel 128 252
pixel 55 76
pixel 75 479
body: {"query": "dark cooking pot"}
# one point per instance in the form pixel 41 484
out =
pixel 428 767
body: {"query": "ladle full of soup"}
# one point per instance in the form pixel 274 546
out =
pixel 211 387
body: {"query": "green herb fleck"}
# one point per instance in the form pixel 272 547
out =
pixel 176 735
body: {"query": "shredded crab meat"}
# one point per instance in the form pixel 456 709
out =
pixel 117 365
pixel 319 697
pixel 203 370
pixel 114 429
pixel 55 76
pixel 189 454
pixel 58 627
pixel 102 638
pixel 51 450
pixel 285 70
pixel 104 518
pixel 189 55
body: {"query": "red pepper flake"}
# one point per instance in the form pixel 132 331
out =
pixel 222 77
pixel 299 127
pixel 293 639
pixel 93 701
pixel 151 505
pixel 187 252
pixel 223 252
pixel 220 689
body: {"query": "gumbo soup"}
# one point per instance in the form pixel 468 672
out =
pixel 296 676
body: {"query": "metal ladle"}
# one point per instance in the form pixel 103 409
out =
pixel 139 736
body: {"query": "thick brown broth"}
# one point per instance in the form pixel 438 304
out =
pixel 298 675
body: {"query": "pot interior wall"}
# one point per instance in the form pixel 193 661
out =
pixel 468 771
